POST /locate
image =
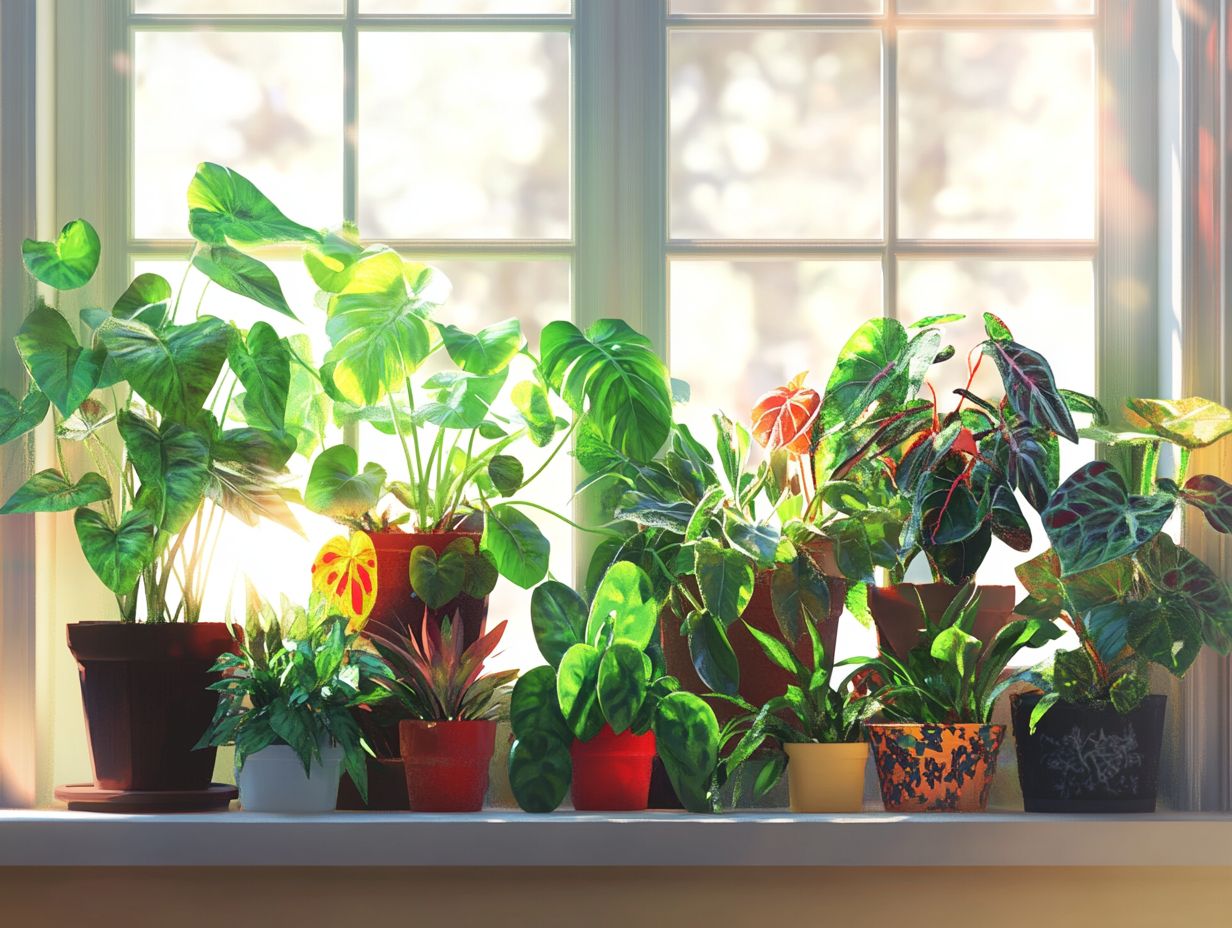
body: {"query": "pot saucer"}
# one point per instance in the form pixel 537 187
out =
pixel 86 797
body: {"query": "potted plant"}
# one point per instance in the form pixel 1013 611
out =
pixel 146 397
pixel 450 710
pixel 814 729
pixel 285 701
pixel 1134 598
pixel 937 748
pixel 592 719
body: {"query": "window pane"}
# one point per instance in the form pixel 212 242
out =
pixel 775 134
pixel 996 134
pixel 464 135
pixel 231 7
pixel 771 7
pixel 996 6
pixel 463 7
pixel 267 104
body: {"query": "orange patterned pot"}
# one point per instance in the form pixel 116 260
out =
pixel 935 768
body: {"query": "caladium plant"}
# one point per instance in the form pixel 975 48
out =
pixel 147 396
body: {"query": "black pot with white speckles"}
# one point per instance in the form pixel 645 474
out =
pixel 1089 759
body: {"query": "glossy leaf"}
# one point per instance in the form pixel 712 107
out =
pixel 1033 463
pixel 116 554
pixel 65 372
pixel 540 770
pixel 711 653
pixel 1108 625
pixel 646 510
pixel 530 399
pixel 725 579
pixel 758 540
pixel 1192 422
pixel 262 362
pixel 1092 519
pixel 624 607
pixel 1214 497
pixel 18 418
pixel 48 491
pixel 997 330
pixel 505 472
pixel 799 595
pixel 173 464
pixel 436 580
pixel 558 619
pixel 518 548
pixel 534 708
pixel 733 447
pixel 461 401
pixel 624 676
pixel 1168 633
pixel 1030 387
pixel 338 488
pixel 784 417
pixel 687 741
pixel 224 206
pixel 235 271
pixel 148 294
pixel 958 562
pixel 1177 574
pixel 330 261
pixel 862 372
pixel 344 572
pixel 67 263
pixel 577 689
pixel 487 351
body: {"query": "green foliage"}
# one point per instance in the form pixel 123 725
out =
pixel 338 488
pixel 225 207
pixel 19 417
pixel 240 273
pixel 517 546
pixel 459 568
pixel 65 372
pixel 49 491
pixel 67 263
pixel 294 680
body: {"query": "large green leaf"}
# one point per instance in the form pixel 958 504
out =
pixel 879 361
pixel 558 619
pixel 577 689
pixel 331 261
pixel 1167 632
pixel 1077 593
pixel 339 489
pixel 758 540
pixel 653 511
pixel 65 372
pixel 1030 387
pixel 1192 422
pixel 1092 519
pixel 624 605
pixel 624 677
pixel 116 554
pixel 437 580
pixel 1177 574
pixel 262 363
pixel 147 294
pixel 173 464
pixel 534 707
pixel 67 263
pixel 518 548
pixel 540 770
pixel 18 418
pixel 173 371
pixel 487 351
pixel 725 578
pixel 612 373
pixel 235 271
pixel 48 491
pixel 531 401
pixel 687 741
pixel 224 206
pixel 712 654
pixel 799 594
pixel 461 400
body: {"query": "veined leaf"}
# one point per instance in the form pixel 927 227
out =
pixel 65 372
pixel 1030 387
pixel 558 618
pixel 624 677
pixel 18 418
pixel 172 462
pixel 224 206
pixel 784 417
pixel 1214 497
pixel 1192 422
pixel 624 606
pixel 337 488
pixel 344 572
pixel 48 491
pixel 262 363
pixel 712 654
pixel 148 293
pixel 577 689
pixel 518 548
pixel 1176 573
pixel 116 554
pixel 235 271
pixel 725 579
pixel 487 351
pixel 67 263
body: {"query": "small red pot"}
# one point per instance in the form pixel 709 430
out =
pixel 446 764
pixel 611 772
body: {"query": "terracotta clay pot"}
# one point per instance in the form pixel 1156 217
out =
pixel 896 611
pixel 447 764
pixel 826 777
pixel 397 610
pixel 935 768
pixel 611 772
pixel 1089 758
pixel 760 679
pixel 143 688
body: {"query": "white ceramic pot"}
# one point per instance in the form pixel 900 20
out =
pixel 273 780
pixel 826 777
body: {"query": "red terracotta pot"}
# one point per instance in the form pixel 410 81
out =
pixel 143 688
pixel 896 611
pixel 760 679
pixel 397 610
pixel 447 764
pixel 611 772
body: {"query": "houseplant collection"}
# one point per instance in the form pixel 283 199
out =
pixel 703 637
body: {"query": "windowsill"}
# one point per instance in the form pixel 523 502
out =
pixel 501 838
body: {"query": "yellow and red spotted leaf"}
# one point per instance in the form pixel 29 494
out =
pixel 784 418
pixel 344 571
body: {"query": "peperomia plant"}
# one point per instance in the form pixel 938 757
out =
pixel 148 396
pixel 604 669
pixel 1132 595
pixel 294 680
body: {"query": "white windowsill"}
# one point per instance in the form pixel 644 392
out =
pixel 501 838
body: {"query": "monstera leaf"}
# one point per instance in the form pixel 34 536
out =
pixel 65 372
pixel 1192 422
pixel 611 373
pixel 1178 574
pixel 1030 387
pixel 48 491
pixel 461 400
pixel 339 489
pixel 67 263
pixel 487 351
pixel 18 418
pixel 173 464
pixel 224 206
pixel 784 417
pixel 116 553
pixel 1214 497
pixel 235 271
pixel 344 572
pixel 1092 519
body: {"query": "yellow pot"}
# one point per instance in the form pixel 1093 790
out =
pixel 826 777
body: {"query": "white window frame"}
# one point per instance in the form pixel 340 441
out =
pixel 620 248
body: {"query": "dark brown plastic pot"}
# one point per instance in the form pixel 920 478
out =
pixel 143 688
pixel 397 610
pixel 760 679
pixel 896 611
pixel 386 788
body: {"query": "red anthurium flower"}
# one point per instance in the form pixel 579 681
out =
pixel 784 418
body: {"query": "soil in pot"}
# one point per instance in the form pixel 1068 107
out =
pixel 935 768
pixel 273 780
pixel 397 610
pixel 896 611
pixel 611 772
pixel 143 688
pixel 826 777
pixel 1089 758
pixel 447 764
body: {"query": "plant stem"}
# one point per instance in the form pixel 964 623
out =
pixel 175 310
pixel 201 299
pixel 411 469
pixel 1150 467
pixel 567 521
pixel 542 467
pixel 1182 467
pixel 423 489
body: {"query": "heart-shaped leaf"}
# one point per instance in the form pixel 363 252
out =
pixel 798 594
pixel 117 554
pixel 235 271
pixel 540 770
pixel 687 741
pixel 725 578
pixel 879 361
pixel 148 293
pixel 16 419
pixel 48 491
pixel 530 399
pixel 624 607
pixel 487 351
pixel 558 619
pixel 262 362
pixel 1191 422
pixel 224 206
pixel 577 689
pixel 784 417
pixel 344 573
pixel 624 677
pixel 339 489
pixel 331 261
pixel 436 581
pixel 505 472
pixel 1178 574
pixel 518 548
pixel 712 655
pixel 1092 519
pixel 65 372
pixel 654 512
pixel 1030 387
pixel 174 370
pixel 67 263
pixel 1214 497
pixel 1033 462
pixel 1167 632
pixel 173 464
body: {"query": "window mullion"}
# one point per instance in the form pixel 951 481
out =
pixel 889 166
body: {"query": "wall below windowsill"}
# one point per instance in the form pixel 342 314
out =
pixel 500 838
